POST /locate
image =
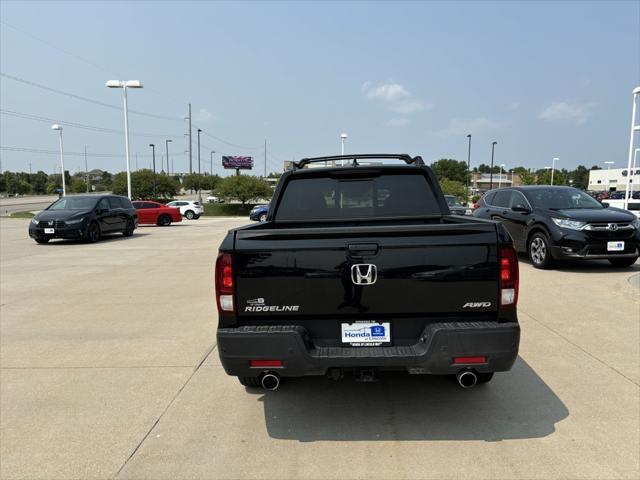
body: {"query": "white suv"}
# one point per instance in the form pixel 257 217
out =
pixel 189 209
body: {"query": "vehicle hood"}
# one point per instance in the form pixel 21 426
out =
pixel 594 215
pixel 61 214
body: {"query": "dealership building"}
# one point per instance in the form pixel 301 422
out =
pixel 613 179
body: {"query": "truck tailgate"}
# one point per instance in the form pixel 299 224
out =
pixel 430 270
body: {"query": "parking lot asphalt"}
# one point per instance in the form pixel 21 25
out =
pixel 109 369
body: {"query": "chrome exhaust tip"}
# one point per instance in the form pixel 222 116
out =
pixel 467 378
pixel 270 381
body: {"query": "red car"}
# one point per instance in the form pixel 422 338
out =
pixel 155 213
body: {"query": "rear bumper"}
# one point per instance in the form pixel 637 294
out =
pixel 432 354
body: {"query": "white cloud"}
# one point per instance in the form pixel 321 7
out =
pixel 464 126
pixel 395 96
pixel 397 122
pixel 201 115
pixel 566 112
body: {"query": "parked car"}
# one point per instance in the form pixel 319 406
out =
pixel 259 213
pixel 361 269
pixel 455 207
pixel 214 199
pixel 189 209
pixel 155 213
pixel 86 217
pixel 563 223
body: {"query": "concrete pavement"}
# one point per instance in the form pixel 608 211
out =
pixel 108 369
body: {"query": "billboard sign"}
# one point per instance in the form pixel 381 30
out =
pixel 237 162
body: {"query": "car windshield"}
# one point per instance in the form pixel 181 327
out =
pixel 452 201
pixel 73 203
pixel 562 199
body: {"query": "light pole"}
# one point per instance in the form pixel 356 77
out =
pixel 153 156
pixel 468 168
pixel 343 137
pixel 500 177
pixel 553 167
pixel 124 84
pixel 199 180
pixel 632 171
pixel 166 144
pixel 493 146
pixel 211 168
pixel 59 129
pixel 635 127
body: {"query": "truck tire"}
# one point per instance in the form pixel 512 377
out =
pixel 250 381
pixel 622 262
pixel 484 377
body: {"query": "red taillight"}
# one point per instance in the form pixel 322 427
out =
pixel 224 283
pixel 265 363
pixel 509 277
pixel 470 360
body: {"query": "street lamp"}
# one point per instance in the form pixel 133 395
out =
pixel 500 177
pixel 343 137
pixel 166 143
pixel 468 167
pixel 124 84
pixel 59 129
pixel 553 167
pixel 211 168
pixel 493 146
pixel 199 180
pixel 153 155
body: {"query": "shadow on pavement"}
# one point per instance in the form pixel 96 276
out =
pixel 514 405
pixel 107 238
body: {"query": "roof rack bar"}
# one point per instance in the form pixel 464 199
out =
pixel 397 156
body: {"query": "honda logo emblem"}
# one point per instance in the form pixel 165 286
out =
pixel 364 274
pixel 50 222
pixel 612 227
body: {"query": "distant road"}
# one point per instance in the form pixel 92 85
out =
pixel 26 204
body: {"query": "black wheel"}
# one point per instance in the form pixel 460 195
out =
pixel 263 217
pixel 196 217
pixel 189 214
pixel 539 252
pixel 484 377
pixel 622 262
pixel 164 220
pixel 250 381
pixel 93 232
pixel 42 241
pixel 128 230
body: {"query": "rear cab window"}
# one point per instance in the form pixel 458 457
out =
pixel 335 198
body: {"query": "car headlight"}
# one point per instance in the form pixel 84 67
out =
pixel 75 221
pixel 570 224
pixel 35 221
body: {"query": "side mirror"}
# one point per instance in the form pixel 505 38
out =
pixel 520 208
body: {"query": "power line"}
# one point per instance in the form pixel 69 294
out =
pixel 85 99
pixel 259 147
pixel 57 152
pixel 39 118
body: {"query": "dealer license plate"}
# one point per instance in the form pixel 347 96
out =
pixel 49 231
pixel 366 333
pixel 615 246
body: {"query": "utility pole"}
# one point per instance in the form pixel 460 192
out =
pixel 153 156
pixel 86 169
pixel 493 146
pixel 211 171
pixel 30 173
pixel 199 174
pixel 166 144
pixel 136 160
pixel 265 158
pixel 190 152
pixel 469 168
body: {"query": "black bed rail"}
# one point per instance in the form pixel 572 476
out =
pixel 352 160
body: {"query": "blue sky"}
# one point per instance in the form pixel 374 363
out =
pixel 543 79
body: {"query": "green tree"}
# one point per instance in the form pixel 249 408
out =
pixel 527 178
pixel 452 187
pixel 484 168
pixel 142 185
pixel 78 185
pixel 449 168
pixel 244 188
pixel 39 182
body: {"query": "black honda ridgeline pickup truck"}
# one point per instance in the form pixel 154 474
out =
pixel 361 268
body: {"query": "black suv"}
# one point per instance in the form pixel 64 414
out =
pixel 85 217
pixel 563 223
